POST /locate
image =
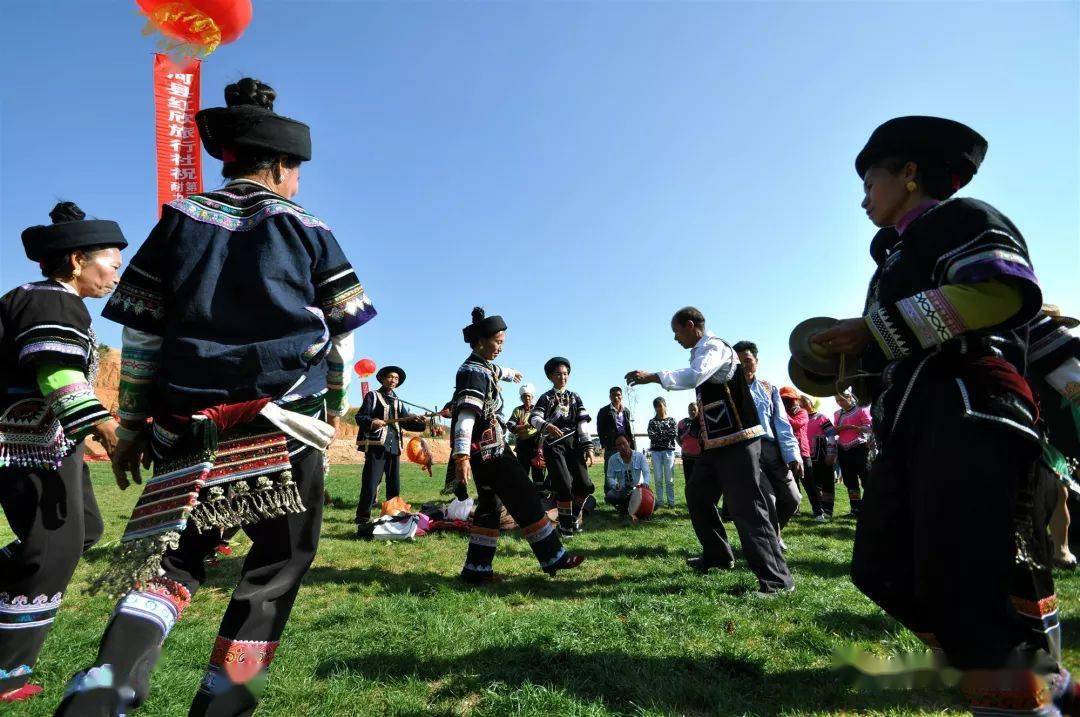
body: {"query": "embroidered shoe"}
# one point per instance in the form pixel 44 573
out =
pixel 21 693
pixel 566 562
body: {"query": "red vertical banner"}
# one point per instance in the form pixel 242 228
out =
pixel 364 388
pixel 179 152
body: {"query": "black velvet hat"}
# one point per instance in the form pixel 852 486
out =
pixel 956 146
pixel 554 362
pixel 249 122
pixel 68 232
pixel 482 326
pixel 387 369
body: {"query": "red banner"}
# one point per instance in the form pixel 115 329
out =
pixel 179 152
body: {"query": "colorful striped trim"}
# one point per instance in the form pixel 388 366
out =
pixel 890 332
pixel 150 607
pixel 539 530
pixel 931 317
pixel 20 612
pixel 203 209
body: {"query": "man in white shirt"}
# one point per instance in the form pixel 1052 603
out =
pixel 626 468
pixel 729 464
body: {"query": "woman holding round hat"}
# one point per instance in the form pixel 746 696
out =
pixel 238 311
pixel 380 419
pixel 479 451
pixel 48 361
pixel 944 541
pixel 563 421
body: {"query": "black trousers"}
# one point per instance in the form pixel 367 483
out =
pixel 525 450
pixel 810 486
pixel 378 463
pixel 688 463
pixel 948 509
pixel 55 519
pixel 281 551
pixel 734 472
pixel 824 477
pixel 569 480
pixel 854 471
pixel 502 481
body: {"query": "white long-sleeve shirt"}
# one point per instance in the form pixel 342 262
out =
pixel 711 359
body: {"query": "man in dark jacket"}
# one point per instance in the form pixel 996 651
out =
pixel 613 421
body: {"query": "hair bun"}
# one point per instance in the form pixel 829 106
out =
pixel 477 314
pixel 66 212
pixel 250 91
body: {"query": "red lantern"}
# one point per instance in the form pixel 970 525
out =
pixel 364 367
pixel 198 25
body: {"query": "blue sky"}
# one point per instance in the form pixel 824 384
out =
pixel 581 168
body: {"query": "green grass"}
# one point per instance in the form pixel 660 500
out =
pixel 388 629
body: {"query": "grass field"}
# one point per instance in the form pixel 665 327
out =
pixel 388 629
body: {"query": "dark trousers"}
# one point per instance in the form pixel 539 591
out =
pixel 824 477
pixel 948 509
pixel 526 449
pixel 502 481
pixel 734 472
pixel 55 519
pixel 854 470
pixel 378 462
pixel 688 463
pixel 569 480
pixel 281 551
pixel 810 486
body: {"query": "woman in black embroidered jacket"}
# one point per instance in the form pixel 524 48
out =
pixel 479 449
pixel 944 542
pixel 238 311
pixel 48 359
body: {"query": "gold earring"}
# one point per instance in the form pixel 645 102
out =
pixel 911 186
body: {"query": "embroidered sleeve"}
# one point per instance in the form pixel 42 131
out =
pixel 463 429
pixel 1050 345
pixel 51 326
pixel 338 291
pixel 471 388
pixel 538 417
pixel 72 400
pixel 139 361
pixel 140 299
pixel 342 348
pixel 583 415
pixel 932 317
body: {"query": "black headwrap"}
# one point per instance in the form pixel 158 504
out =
pixel 249 123
pixel 554 363
pixel 951 144
pixel 45 240
pixel 487 326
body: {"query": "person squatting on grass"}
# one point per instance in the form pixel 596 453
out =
pixel 480 450
pixel 731 435
pixel 945 541
pixel 48 361
pixel 238 311
pixel 626 469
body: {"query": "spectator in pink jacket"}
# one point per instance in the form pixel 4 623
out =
pixel 799 418
pixel 854 430
pixel 821 435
